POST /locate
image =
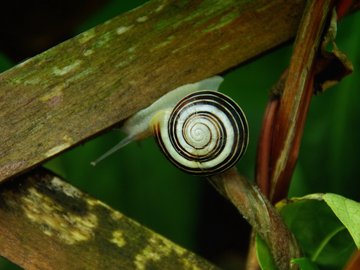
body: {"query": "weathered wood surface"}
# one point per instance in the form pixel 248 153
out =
pixel 48 224
pixel 83 86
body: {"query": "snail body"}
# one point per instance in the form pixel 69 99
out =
pixel 137 126
pixel 202 132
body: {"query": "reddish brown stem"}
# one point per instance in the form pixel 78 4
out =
pixel 354 261
pixel 342 7
pixel 296 97
pixel 296 89
pixel 264 147
pixel 284 181
pixel 262 171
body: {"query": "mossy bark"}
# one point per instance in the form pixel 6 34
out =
pixel 48 224
pixel 72 92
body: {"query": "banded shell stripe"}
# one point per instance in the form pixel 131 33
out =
pixel 206 133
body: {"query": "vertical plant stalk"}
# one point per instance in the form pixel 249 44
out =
pixel 284 121
pixel 295 99
pixel 262 171
pixel 264 148
pixel 286 112
pixel 262 216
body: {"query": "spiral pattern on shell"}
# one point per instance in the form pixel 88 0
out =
pixel 206 133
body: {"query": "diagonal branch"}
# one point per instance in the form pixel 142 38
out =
pixel 85 85
pixel 48 224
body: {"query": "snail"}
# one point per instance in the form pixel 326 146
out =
pixel 201 131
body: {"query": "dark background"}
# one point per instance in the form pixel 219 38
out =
pixel 141 183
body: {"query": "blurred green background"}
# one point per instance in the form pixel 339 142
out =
pixel 142 184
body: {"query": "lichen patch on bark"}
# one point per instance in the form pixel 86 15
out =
pixel 55 96
pixel 60 186
pixel 86 36
pixel 118 238
pixel 55 221
pixel 88 52
pixel 156 250
pixel 122 29
pixel 142 19
pixel 64 70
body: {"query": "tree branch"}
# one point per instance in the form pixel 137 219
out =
pixel 85 85
pixel 48 224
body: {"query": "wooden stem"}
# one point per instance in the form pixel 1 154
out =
pixel 259 212
pixel 296 97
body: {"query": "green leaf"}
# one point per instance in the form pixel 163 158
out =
pixel 305 263
pixel 263 254
pixel 348 211
pixel 321 235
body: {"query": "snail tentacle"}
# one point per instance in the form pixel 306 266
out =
pixel 113 149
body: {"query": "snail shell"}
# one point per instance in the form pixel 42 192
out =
pixel 206 133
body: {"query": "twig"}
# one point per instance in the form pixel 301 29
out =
pixel 259 212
